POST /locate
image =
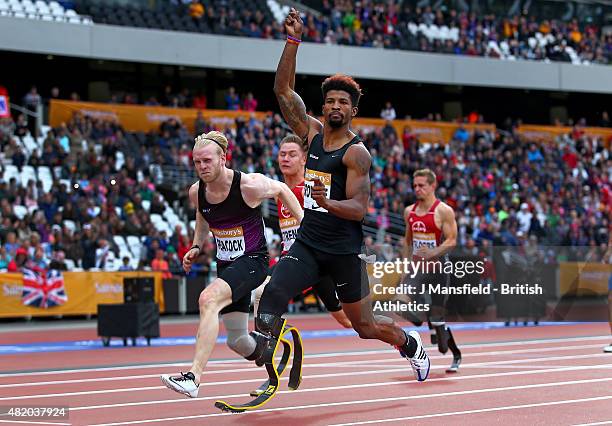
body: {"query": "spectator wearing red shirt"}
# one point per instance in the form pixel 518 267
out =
pixel 250 103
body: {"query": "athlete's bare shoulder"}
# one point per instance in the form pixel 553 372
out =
pixel 407 211
pixel 193 191
pixel 256 187
pixel 445 211
pixel 357 156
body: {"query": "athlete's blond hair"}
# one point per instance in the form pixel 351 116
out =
pixel 214 137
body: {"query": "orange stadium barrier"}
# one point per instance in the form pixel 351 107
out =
pixel 146 118
pixel 84 291
pixel 584 279
pixel 549 133
pixel 142 117
pixel 426 131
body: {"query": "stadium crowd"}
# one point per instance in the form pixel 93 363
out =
pixel 400 25
pixel 505 190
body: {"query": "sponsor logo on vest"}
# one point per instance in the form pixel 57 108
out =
pixel 419 227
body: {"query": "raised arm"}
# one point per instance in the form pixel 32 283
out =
pixel 358 161
pixel 256 187
pixel 291 104
pixel 200 234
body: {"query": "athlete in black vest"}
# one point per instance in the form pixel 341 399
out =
pixel 336 194
pixel 228 206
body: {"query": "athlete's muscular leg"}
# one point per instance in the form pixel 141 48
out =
pixel 212 299
pixel 370 327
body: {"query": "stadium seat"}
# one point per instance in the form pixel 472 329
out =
pixel 20 211
pixel 68 185
pixel 121 244
pixel 44 172
pixel 29 8
pixel 29 143
pixel 16 7
pixel 70 225
pixel 70 264
pixel 10 171
pixel 28 173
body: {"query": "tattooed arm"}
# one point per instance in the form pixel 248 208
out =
pixel 291 105
pixel 357 161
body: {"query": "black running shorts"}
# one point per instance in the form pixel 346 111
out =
pixel 243 275
pixel 303 266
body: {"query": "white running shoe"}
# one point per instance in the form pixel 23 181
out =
pixel 608 349
pixel 420 361
pixel 185 384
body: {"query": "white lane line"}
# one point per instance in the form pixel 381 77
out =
pixel 342 364
pixel 393 399
pixel 323 355
pixel 329 388
pixel 332 375
pixel 482 410
pixel 23 422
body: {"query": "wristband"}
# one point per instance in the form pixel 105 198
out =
pixel 195 246
pixel 293 40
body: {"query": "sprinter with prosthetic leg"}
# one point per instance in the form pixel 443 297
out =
pixel 291 161
pixel 330 238
pixel 228 204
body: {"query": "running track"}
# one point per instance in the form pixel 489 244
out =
pixel 554 374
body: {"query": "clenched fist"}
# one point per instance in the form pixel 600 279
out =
pixel 189 257
pixel 293 24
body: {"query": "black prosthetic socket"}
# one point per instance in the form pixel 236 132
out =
pixel 452 345
pixel 269 328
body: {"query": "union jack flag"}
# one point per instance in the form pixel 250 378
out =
pixel 43 290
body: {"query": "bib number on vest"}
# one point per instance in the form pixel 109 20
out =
pixel 309 177
pixel 230 243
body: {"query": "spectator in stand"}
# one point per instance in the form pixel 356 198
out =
pixel 175 264
pixel 388 112
pixel 5 258
pixel 196 10
pixel 250 103
pixel 125 266
pixel 20 260
pixel 605 120
pixel 32 99
pixel 58 261
pixel 159 263
pixel 199 100
pixel 232 100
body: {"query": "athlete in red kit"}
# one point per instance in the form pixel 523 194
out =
pixel 431 232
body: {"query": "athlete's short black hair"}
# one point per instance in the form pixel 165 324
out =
pixel 345 83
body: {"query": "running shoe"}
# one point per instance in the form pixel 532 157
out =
pixel 185 384
pixel 420 361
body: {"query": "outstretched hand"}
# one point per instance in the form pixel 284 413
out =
pixel 293 24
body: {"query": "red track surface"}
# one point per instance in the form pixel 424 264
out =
pixel 528 375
